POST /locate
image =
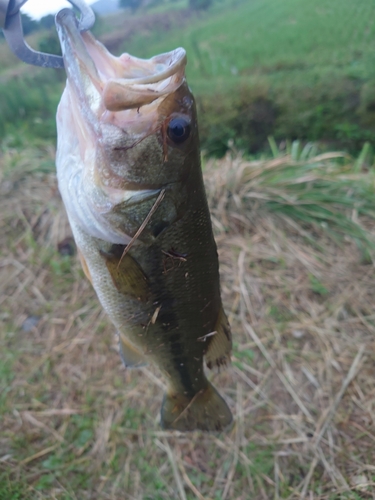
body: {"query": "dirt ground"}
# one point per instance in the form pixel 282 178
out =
pixel 74 423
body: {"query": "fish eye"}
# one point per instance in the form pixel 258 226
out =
pixel 178 130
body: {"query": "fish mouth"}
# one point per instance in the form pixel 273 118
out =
pixel 116 101
pixel 106 83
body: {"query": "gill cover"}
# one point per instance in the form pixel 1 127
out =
pixel 109 106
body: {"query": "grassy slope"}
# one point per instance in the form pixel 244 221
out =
pixel 292 69
pixel 293 40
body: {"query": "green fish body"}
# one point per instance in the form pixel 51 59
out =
pixel 128 165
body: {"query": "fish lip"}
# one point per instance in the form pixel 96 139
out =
pixel 72 43
pixel 109 83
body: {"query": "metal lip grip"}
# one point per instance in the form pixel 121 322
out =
pixel 11 24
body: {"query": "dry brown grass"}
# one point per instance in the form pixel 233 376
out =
pixel 75 424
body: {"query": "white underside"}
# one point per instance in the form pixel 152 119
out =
pixel 86 203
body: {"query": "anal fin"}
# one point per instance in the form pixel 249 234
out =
pixel 130 356
pixel 219 344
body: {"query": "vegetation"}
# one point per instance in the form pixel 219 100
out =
pixel 200 4
pixel 131 4
pixel 75 424
pixel 28 107
pixel 288 69
pixel 291 69
pixel 296 242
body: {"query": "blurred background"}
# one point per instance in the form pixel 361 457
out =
pixel 258 68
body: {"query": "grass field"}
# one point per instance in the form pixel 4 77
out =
pixel 291 69
pixel 75 424
pixel 291 41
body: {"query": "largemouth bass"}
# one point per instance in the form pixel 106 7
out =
pixel 128 167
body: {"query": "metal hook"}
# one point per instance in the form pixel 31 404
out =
pixel 10 21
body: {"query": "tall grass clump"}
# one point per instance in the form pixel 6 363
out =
pixel 328 193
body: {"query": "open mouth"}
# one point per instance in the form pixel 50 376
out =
pixel 113 121
pixel 111 84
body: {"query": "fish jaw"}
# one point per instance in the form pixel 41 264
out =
pixel 105 83
pixel 112 114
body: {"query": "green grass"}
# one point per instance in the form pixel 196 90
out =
pixel 160 7
pixel 12 490
pixel 290 69
pixel 310 65
pixel 291 41
pixel 314 193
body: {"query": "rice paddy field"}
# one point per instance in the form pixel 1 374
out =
pixel 295 235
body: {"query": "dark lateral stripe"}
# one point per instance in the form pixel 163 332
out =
pixel 169 322
pixel 181 364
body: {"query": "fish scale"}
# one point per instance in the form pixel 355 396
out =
pixel 128 166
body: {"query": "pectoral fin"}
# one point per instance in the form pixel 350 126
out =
pixel 84 265
pixel 130 356
pixel 126 273
pixel 220 343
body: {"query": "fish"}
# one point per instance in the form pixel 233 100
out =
pixel 129 173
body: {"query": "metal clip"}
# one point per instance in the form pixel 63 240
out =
pixel 10 22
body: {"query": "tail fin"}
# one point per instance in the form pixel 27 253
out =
pixel 206 411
